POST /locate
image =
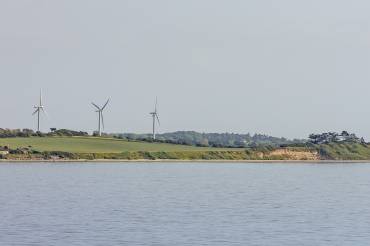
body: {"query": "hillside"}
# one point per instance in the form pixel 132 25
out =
pixel 90 148
pixel 344 151
pixel 92 145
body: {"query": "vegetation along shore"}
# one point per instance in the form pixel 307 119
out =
pixel 66 145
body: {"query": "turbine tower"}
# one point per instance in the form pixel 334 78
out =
pixel 155 117
pixel 101 118
pixel 38 110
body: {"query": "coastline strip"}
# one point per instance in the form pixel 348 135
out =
pixel 3 161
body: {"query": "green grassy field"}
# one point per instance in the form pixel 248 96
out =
pixel 93 145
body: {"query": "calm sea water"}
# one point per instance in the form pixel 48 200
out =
pixel 184 204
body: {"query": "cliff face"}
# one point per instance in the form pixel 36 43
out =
pixel 331 151
pixel 289 154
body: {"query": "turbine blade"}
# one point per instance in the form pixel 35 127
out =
pixel 95 105
pixel 156 115
pixel 40 97
pixel 46 114
pixel 102 120
pixel 156 103
pixel 105 104
pixel 35 111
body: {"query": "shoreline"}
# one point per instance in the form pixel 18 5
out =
pixel 3 161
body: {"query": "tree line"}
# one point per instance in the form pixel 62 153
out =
pixel 12 133
pixel 231 140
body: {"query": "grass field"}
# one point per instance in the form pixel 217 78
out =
pixel 93 145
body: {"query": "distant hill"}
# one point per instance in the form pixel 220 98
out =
pixel 230 140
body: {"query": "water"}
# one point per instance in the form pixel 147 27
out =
pixel 184 204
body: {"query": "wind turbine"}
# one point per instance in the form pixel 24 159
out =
pixel 38 110
pixel 155 117
pixel 100 112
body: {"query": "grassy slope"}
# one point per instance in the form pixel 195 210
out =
pixel 93 145
pixel 344 151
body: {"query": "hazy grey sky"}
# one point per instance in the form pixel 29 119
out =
pixel 284 68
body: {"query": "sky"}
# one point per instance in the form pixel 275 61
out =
pixel 284 68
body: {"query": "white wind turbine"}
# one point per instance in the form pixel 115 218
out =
pixel 155 117
pixel 38 110
pixel 101 118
